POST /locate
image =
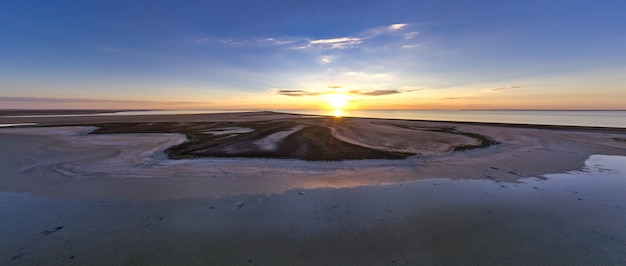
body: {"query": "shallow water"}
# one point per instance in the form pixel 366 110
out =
pixel 563 118
pixel 575 218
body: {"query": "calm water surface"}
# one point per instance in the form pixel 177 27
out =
pixel 565 118
pixel 574 218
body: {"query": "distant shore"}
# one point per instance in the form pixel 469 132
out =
pixel 599 119
pixel 29 112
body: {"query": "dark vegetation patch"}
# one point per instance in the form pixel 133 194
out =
pixel 157 127
pixel 619 139
pixel 313 142
pixel 261 113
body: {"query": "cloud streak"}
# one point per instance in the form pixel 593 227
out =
pixel 83 100
pixel 505 88
pixel 333 90
pixel 410 35
pixel 297 93
pixel 336 43
pixel 395 27
pixel 375 92
pixel 262 42
pixel 340 43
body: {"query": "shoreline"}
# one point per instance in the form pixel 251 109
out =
pixel 86 116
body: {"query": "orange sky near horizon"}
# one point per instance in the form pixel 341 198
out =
pixel 418 100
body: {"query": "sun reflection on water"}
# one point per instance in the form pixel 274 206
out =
pixel 338 113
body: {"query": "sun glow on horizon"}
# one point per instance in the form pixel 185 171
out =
pixel 337 101
pixel 338 113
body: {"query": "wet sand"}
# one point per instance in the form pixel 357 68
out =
pixel 74 196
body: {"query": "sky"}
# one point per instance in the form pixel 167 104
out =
pixel 275 55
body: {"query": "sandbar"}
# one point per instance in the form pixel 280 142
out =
pixel 96 165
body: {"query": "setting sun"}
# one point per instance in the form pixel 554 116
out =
pixel 337 101
pixel 338 113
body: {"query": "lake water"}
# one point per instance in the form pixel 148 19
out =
pixel 574 218
pixel 563 118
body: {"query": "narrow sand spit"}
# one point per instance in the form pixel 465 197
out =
pixel 19 124
pixel 229 130
pixel 397 136
pixel 270 142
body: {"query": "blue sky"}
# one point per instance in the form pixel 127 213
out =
pixel 290 54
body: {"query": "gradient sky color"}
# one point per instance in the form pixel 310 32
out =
pixel 272 55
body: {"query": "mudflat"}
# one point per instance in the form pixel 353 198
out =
pixel 218 166
pixel 266 152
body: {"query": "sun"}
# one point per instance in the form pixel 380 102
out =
pixel 337 101
pixel 338 113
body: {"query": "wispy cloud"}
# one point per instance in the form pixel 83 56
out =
pixel 335 90
pixel 87 103
pixel 344 42
pixel 270 41
pixel 279 41
pixel 289 92
pixel 326 59
pixel 336 43
pixel 43 99
pixel 375 92
pixel 368 75
pixel 365 75
pixel 389 29
pixel 82 100
pixel 410 46
pixel 410 35
pixel 227 42
pixel 504 88
pixel 357 39
pixel 395 27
